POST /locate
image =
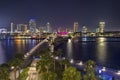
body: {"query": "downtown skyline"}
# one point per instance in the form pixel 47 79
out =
pixel 61 13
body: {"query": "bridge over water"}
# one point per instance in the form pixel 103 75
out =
pixel 27 56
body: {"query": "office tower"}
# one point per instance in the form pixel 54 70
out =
pixel 75 27
pixel 21 27
pixel 41 29
pixel 84 29
pixel 97 30
pixel 101 27
pixel 12 26
pixel 60 29
pixel 48 27
pixel 32 25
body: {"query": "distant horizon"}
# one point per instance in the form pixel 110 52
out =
pixel 80 26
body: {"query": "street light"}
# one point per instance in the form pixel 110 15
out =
pixel 27 53
pixel 63 58
pixel 71 61
pixel 118 73
pixel 25 56
pixel 104 69
pixel 57 57
pixel 12 67
pixel 80 63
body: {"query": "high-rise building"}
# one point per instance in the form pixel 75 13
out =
pixel 101 27
pixel 12 26
pixel 41 29
pixel 84 29
pixel 60 29
pixel 75 27
pixel 48 27
pixel 32 25
pixel 21 27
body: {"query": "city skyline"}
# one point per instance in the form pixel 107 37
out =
pixel 61 13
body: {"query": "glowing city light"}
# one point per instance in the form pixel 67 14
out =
pixel 104 69
pixel 57 57
pixel 71 61
pixel 118 73
pixel 69 40
pixel 80 63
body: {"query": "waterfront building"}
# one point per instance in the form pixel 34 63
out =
pixel 62 32
pixel 32 25
pixel 84 31
pixel 101 27
pixel 41 29
pixel 3 30
pixel 60 29
pixel 97 30
pixel 22 28
pixel 75 27
pixel 12 27
pixel 48 27
pixel 67 30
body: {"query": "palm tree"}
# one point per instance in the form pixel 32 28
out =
pixel 24 74
pixel 58 52
pixel 4 72
pixel 44 51
pixel 90 70
pixel 55 54
pixel 71 73
pixel 17 63
pixel 89 66
pixel 89 76
pixel 65 62
pixel 45 64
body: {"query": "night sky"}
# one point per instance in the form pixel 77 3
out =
pixel 61 13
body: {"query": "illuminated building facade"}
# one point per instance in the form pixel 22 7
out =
pixel 48 27
pixel 41 29
pixel 32 25
pixel 60 29
pixel 101 27
pixel 75 27
pixel 12 27
pixel 61 32
pixel 84 29
pixel 21 28
pixel 3 30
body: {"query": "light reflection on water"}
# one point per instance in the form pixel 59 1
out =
pixel 101 50
pixel 104 52
pixel 69 49
pixel 2 54
pixel 8 48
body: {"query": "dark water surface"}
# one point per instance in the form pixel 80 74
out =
pixel 104 52
pixel 8 48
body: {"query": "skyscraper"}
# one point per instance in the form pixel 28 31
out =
pixel 101 27
pixel 75 27
pixel 32 25
pixel 48 27
pixel 84 29
pixel 12 26
pixel 21 27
